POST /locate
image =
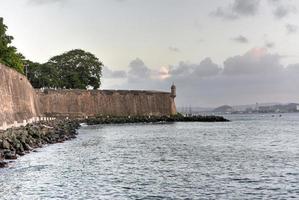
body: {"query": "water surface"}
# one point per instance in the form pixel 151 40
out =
pixel 252 157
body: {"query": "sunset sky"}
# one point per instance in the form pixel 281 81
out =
pixel 216 51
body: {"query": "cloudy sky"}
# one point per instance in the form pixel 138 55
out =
pixel 216 51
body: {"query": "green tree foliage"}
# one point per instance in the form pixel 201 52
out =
pixel 41 75
pixel 8 54
pixel 75 69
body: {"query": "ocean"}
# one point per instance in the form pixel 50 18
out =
pixel 251 157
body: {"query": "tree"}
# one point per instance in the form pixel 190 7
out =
pixel 8 53
pixel 41 75
pixel 75 69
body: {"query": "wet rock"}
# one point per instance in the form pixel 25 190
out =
pixel 27 147
pixel 153 119
pixel 21 153
pixel 3 164
pixel 5 144
pixel 10 155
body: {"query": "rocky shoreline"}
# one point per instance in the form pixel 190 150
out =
pixel 152 119
pixel 17 142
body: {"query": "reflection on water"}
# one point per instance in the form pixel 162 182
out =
pixel 252 157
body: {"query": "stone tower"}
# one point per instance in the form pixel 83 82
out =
pixel 173 91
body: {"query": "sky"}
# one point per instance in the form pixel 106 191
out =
pixel 215 51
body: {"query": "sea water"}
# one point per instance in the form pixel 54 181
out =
pixel 251 157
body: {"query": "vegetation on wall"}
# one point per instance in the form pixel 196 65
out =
pixel 8 53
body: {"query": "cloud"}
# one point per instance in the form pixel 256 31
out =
pixel 283 11
pixel 182 69
pixel 269 45
pixel 239 8
pixel 173 49
pixel 240 39
pixel 110 74
pixel 255 61
pixel 291 28
pixel 293 68
pixel 138 71
pixel 225 14
pixel 42 2
pixel 205 68
pixel 246 7
pixel 274 1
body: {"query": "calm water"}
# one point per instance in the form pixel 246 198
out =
pixel 253 157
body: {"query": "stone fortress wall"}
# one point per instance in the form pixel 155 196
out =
pixel 86 103
pixel 19 101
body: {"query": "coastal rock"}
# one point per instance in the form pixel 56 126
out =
pixel 5 144
pixel 153 119
pixel 10 155
pixel 19 141
pixel 3 164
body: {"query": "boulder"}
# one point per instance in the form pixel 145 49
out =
pixel 3 164
pixel 5 144
pixel 10 155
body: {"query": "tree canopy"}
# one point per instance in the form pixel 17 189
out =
pixel 75 69
pixel 8 53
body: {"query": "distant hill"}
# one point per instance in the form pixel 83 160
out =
pixel 252 106
pixel 223 109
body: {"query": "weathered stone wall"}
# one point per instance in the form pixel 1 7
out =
pixel 81 103
pixel 18 100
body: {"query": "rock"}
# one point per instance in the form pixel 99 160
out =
pixel 21 153
pixel 19 141
pixel 3 164
pixel 27 147
pixel 153 119
pixel 9 155
pixel 5 144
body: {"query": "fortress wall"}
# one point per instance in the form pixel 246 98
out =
pixel 81 103
pixel 18 100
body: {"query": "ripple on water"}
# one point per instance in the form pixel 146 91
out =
pixel 253 157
